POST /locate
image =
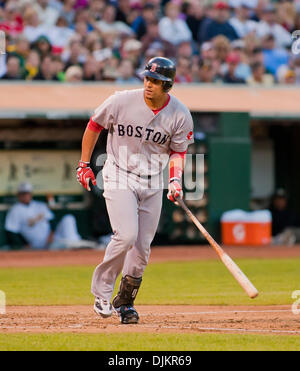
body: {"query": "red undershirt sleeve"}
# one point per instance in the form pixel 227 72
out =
pixel 94 126
pixel 176 165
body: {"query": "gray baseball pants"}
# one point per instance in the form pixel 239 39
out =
pixel 134 213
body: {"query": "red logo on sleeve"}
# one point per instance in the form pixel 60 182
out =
pixel 190 135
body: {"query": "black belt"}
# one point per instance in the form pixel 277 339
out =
pixel 148 177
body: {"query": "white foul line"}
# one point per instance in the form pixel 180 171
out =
pixel 222 329
pixel 218 312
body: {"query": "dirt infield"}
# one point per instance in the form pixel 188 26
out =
pixel 154 319
pixel 158 254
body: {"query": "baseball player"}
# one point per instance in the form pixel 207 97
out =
pixel 145 126
pixel 30 223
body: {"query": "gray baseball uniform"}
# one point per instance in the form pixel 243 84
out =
pixel 138 146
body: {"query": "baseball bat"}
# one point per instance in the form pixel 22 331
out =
pixel 228 262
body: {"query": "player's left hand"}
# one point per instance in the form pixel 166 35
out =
pixel 175 190
pixel 85 175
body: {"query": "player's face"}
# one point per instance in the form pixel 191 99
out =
pixel 153 88
pixel 25 197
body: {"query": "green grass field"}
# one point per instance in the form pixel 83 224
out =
pixel 148 342
pixel 198 282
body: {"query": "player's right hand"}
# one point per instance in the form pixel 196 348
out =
pixel 85 174
pixel 175 190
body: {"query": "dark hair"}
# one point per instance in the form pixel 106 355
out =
pixel 254 66
pixel 257 50
pixel 148 6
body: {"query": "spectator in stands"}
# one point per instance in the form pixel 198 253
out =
pixel 286 14
pixel 21 49
pixel 30 224
pixel 108 23
pixel 183 70
pixel 110 69
pixel 13 69
pixel 184 49
pixel 285 222
pixel 46 71
pixel 68 11
pixel 91 69
pixel 46 13
pixel 58 68
pixel 83 17
pixel 259 77
pixel 232 60
pixel 135 12
pixel 152 36
pixel 296 25
pixel 75 53
pixel 251 43
pixel 241 22
pixel 221 46
pixel 33 28
pixel 12 22
pixel 32 65
pixel 96 8
pixel 60 34
pixel 273 57
pixel 207 71
pixel 81 28
pixel 172 28
pixel 43 46
pixel 93 42
pixel 290 77
pixel 126 73
pixel 219 25
pixel 269 26
pixel 243 69
pixel 123 11
pixel 295 65
pixel 147 16
pixel 74 74
pixel 194 12
pixel 132 50
pixel 207 51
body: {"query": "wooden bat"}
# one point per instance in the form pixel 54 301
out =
pixel 229 263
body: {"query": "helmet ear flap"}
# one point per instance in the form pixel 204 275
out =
pixel 167 86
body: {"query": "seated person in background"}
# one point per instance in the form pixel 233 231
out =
pixel 232 60
pixel 285 222
pixel 29 224
pixel 259 77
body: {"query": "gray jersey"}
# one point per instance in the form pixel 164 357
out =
pixel 138 140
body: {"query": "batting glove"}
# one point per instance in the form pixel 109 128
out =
pixel 175 190
pixel 85 174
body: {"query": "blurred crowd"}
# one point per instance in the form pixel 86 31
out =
pixel 235 41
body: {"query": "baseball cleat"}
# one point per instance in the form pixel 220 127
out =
pixel 103 308
pixel 127 314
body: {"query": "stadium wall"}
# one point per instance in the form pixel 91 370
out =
pixel 41 124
